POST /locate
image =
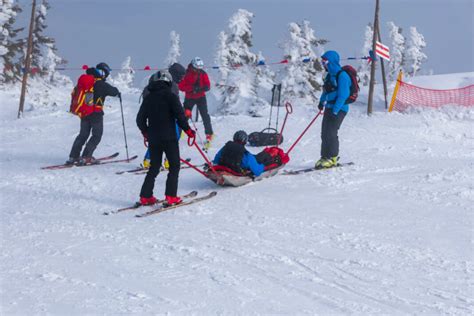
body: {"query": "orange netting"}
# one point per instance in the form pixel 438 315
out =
pixel 412 96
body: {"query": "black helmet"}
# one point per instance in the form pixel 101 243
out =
pixel 177 71
pixel 241 137
pixel 105 68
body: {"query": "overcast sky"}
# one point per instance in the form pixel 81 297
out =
pixel 90 31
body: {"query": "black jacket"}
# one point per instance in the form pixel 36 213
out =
pixel 101 90
pixel 159 113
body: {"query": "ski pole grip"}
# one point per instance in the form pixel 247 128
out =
pixel 289 107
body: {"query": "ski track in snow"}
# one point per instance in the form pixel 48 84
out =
pixel 390 235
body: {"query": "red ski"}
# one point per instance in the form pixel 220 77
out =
pixel 138 204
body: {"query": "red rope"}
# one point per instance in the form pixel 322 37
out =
pixel 305 130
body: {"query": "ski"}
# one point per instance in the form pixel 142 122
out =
pixel 143 170
pixel 164 208
pixel 306 170
pixel 62 166
pixel 138 204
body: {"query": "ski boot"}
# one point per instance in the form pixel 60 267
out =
pixel 148 201
pixel 72 161
pixel 325 163
pixel 146 164
pixel 166 164
pixel 172 200
pixel 207 143
pixel 88 161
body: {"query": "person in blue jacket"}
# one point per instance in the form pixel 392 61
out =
pixel 235 157
pixel 336 91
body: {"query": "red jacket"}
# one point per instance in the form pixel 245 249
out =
pixel 195 83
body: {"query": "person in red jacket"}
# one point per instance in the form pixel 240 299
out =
pixel 195 84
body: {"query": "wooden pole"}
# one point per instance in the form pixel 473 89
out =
pixel 383 70
pixel 27 61
pixel 372 68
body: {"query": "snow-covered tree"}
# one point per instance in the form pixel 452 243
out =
pixel 44 54
pixel 237 65
pixel 263 83
pixel 222 59
pixel 124 79
pixel 302 79
pixel 397 50
pixel 175 51
pixel 414 55
pixel 364 68
pixel 9 47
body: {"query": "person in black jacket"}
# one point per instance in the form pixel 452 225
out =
pixel 156 119
pixel 94 122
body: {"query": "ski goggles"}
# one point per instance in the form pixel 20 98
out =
pixel 324 62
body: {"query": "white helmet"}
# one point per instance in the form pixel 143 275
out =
pixel 197 63
pixel 163 75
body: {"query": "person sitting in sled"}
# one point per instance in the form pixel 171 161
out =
pixel 235 157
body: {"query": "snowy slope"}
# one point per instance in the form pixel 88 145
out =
pixel 391 234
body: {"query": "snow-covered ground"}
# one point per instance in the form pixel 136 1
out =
pixel 392 234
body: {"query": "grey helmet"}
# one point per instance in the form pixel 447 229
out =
pixel 162 75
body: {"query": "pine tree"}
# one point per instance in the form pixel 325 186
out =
pixel 175 51
pixel 9 47
pixel 302 79
pixel 414 55
pixel 364 68
pixel 124 79
pixel 396 50
pixel 44 56
pixel 235 84
pixel 263 83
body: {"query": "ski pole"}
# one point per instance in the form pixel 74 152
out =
pixel 198 135
pixel 306 129
pixel 123 125
pixel 289 110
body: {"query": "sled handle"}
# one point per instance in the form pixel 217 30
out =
pixel 289 107
pixel 191 141
pixel 289 110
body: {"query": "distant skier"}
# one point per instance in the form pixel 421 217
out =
pixel 156 119
pixel 92 117
pixel 177 72
pixel 336 91
pixel 195 84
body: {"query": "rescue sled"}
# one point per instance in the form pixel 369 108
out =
pixel 224 176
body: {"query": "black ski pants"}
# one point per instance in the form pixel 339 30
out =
pixel 92 123
pixel 202 108
pixel 171 149
pixel 329 129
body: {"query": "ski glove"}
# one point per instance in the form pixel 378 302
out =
pixel 190 133
pixel 321 105
pixel 145 138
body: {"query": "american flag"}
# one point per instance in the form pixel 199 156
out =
pixel 382 50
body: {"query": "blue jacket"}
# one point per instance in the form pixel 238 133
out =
pixel 248 162
pixel 343 84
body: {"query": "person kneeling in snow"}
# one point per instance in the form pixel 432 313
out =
pixel 235 157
